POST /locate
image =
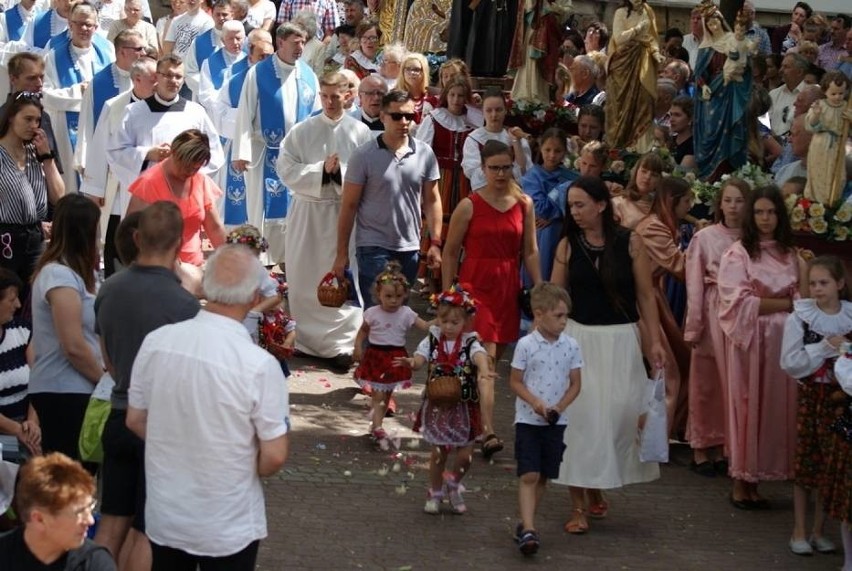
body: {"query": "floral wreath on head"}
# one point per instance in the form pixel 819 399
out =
pixel 458 295
pixel 392 277
pixel 248 235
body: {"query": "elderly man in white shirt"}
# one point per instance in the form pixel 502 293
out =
pixel 213 410
pixel 793 69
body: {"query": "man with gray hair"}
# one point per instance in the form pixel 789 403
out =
pixel 278 93
pixel 793 70
pixel 678 71
pixel 217 69
pixel 584 72
pixel 213 410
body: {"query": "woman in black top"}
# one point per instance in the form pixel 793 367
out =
pixel 28 179
pixel 605 269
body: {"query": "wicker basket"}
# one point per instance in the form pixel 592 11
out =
pixel 333 292
pixel 444 391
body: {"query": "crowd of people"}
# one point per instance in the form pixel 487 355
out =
pixel 311 139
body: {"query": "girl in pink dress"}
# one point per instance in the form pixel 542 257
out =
pixel 384 329
pixel 661 236
pixel 634 203
pixel 496 227
pixel 759 278
pixel 708 386
pixel 813 337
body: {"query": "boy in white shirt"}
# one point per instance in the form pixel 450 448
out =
pixel 546 379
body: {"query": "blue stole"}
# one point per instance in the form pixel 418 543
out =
pixel 69 75
pixel 41 28
pixel 15 24
pixel 103 88
pixel 235 183
pixel 204 46
pixel 276 199
pixel 218 66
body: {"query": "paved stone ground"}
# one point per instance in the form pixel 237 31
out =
pixel 341 503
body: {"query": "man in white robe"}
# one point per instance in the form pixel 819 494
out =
pixel 150 126
pixel 223 111
pixel 278 93
pixel 13 24
pixel 216 69
pixel 312 163
pixel 99 182
pixel 205 45
pixel 106 84
pixel 46 25
pixel 70 65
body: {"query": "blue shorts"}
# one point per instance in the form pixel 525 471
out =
pixel 539 449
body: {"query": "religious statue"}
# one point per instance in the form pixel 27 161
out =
pixel 631 86
pixel 828 119
pixel 427 26
pixel 535 48
pixel 478 32
pixel 721 99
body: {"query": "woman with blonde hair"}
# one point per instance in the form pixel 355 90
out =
pixel 414 80
pixel 177 179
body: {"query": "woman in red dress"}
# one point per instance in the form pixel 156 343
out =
pixel 496 229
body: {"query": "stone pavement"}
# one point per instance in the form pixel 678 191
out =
pixel 341 503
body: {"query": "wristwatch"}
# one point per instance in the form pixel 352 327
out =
pixel 46 157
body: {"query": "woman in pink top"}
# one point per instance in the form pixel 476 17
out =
pixel 708 385
pixel 759 278
pixel 176 179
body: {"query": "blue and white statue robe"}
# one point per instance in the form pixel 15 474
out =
pixel 311 244
pixel 105 85
pixel 224 112
pixel 275 97
pixel 13 24
pixel 64 70
pixel 42 28
pixel 543 187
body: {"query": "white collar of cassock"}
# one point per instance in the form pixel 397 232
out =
pixel 162 101
pixel 332 122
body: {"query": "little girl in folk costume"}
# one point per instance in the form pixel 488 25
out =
pixel 268 324
pixel 825 119
pixel 451 350
pixel 813 336
pixel 384 328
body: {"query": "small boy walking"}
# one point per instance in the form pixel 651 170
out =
pixel 546 379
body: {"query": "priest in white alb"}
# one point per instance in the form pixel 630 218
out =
pixel 45 25
pixel 312 163
pixel 69 66
pixel 278 93
pixel 224 115
pixel 228 59
pixel 106 84
pixel 99 182
pixel 150 126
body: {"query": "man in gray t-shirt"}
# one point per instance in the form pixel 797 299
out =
pixel 131 304
pixel 389 182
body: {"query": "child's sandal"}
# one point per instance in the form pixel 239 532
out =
pixel 529 542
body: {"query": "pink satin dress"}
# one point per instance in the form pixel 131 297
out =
pixel 761 396
pixel 708 385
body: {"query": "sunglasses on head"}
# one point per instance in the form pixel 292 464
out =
pixel 399 116
pixel 28 95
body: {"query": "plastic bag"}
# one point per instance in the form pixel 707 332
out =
pixel 97 411
pixel 653 424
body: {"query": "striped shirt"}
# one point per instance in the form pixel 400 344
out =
pixel 14 371
pixel 23 194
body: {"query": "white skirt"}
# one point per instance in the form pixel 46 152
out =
pixel 602 440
